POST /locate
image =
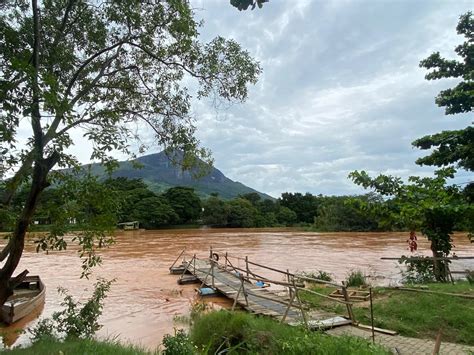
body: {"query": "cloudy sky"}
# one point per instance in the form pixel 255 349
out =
pixel 341 90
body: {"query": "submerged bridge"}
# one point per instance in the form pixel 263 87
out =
pixel 250 289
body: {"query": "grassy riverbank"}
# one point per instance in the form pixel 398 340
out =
pixel 78 346
pixel 413 314
pixel 237 332
pixel 244 333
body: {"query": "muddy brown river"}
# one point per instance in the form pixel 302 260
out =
pixel 145 298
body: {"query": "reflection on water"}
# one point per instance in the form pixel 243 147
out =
pixel 145 298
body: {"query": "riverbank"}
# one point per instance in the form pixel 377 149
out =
pixel 78 346
pixel 413 314
pixel 237 332
pixel 145 299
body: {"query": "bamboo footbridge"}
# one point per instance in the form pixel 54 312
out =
pixel 250 290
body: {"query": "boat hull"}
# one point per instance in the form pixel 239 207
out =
pixel 23 302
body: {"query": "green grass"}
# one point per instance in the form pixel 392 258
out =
pixel 240 332
pixel 414 314
pixel 79 346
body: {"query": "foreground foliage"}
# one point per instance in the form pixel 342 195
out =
pixel 418 315
pixel 78 346
pixel 75 320
pixel 107 69
pixel 245 333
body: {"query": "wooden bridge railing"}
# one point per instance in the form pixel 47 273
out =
pixel 248 276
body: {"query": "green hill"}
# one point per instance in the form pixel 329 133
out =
pixel 158 172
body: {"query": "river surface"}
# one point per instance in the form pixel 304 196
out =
pixel 145 299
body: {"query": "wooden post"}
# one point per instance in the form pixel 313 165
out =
pixel 301 304
pixel 289 306
pixel 349 305
pixel 225 265
pixel 210 252
pixel 185 269
pixel 243 290
pixel 236 297
pixel 205 278
pixel 212 271
pixel 247 265
pixel 372 315
pixel 288 279
pixel 182 252
pixel 437 343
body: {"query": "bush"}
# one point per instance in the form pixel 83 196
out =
pixel 470 276
pixel 320 275
pixel 417 271
pixel 74 321
pixel 179 344
pixel 236 332
pixel 355 279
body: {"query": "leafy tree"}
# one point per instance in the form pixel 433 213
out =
pixel 215 211
pixel 253 197
pixel 286 216
pixel 457 146
pixel 305 206
pixel 242 213
pixel 425 204
pixel 184 202
pixel 153 212
pixel 344 213
pixel 245 4
pixel 104 67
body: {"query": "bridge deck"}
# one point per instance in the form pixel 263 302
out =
pixel 258 300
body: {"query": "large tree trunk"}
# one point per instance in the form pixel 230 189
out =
pixel 17 241
pixel 440 267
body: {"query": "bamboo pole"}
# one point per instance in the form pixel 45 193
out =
pixel 289 306
pixel 185 269
pixel 236 297
pixel 182 252
pixel 325 296
pixel 349 305
pixel 434 292
pixel 431 258
pixel 243 291
pixel 301 304
pixel 437 343
pixel 372 315
pixel 212 272
pixel 247 265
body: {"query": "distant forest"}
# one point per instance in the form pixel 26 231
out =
pixel 134 201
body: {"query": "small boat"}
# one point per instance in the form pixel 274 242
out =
pixel 27 296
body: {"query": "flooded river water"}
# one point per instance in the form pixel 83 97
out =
pixel 145 298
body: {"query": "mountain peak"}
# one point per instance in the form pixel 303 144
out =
pixel 159 173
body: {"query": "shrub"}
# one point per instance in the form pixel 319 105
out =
pixel 74 321
pixel 320 275
pixel 470 276
pixel 178 344
pixel 238 333
pixel 417 271
pixel 356 278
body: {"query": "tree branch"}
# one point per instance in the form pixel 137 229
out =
pixel 61 29
pixel 96 79
pixel 35 112
pixel 89 60
pixel 5 251
pixel 180 65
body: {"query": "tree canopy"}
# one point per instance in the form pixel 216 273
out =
pixel 456 146
pixel 110 69
pixel 426 204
